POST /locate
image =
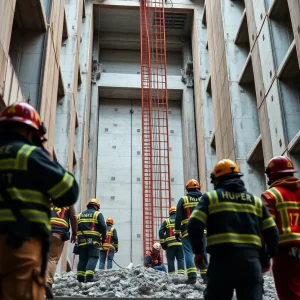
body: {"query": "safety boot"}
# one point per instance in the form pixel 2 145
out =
pixel 49 292
pixel 191 280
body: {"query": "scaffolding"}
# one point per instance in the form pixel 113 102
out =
pixel 155 133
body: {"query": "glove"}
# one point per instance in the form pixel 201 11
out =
pixel 200 261
pixel 164 246
pixel 155 261
pixel 73 239
pixel 178 237
pixel 116 250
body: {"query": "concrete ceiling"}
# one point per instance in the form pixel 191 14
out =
pixel 127 93
pixel 128 21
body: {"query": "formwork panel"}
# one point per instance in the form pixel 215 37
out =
pixel 294 7
pixel 259 8
pixel 266 55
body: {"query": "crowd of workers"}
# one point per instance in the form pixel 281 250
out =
pixel 240 231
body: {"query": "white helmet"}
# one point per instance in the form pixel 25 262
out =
pixel 157 246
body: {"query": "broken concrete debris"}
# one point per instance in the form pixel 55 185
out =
pixel 137 282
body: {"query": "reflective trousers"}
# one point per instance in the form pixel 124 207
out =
pixel 286 272
pixel 110 256
pixel 88 258
pixel 20 271
pixel 56 248
pixel 189 259
pixel 242 274
pixel 173 252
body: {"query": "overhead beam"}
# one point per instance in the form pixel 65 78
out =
pixel 176 7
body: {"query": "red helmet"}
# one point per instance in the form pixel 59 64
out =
pixel 23 113
pixel 280 165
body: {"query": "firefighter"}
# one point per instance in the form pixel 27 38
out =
pixel 283 201
pixel 153 258
pixel 60 226
pixel 90 233
pixel 185 207
pixel 110 246
pixel 170 244
pixel 29 178
pixel 235 221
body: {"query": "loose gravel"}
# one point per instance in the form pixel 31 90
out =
pixel 137 282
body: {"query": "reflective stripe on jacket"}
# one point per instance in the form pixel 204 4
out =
pixel 287 212
pixel 30 178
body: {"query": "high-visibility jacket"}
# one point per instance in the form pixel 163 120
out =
pixel 91 227
pixel 184 210
pixel 166 232
pixel 60 217
pixel 233 219
pixel 111 241
pixel 28 180
pixel 286 214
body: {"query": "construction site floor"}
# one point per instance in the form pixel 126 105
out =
pixel 98 298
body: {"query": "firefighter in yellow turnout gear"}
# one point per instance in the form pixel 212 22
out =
pixel 170 244
pixel 91 232
pixel 235 221
pixel 110 246
pixel 185 207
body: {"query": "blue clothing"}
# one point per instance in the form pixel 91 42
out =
pixel 189 259
pixel 160 268
pixel 110 257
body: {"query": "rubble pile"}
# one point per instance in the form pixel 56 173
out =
pixel 136 282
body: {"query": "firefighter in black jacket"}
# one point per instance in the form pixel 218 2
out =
pixel 236 221
pixel 185 207
pixel 110 246
pixel 91 232
pixel 61 217
pixel 170 244
pixel 29 178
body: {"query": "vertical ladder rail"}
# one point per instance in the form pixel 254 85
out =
pixel 155 132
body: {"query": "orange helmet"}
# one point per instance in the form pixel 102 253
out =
pixel 225 167
pixel 23 113
pixel 110 221
pixel 172 209
pixel 279 165
pixel 192 184
pixel 94 202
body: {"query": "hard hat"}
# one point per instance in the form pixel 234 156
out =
pixel 23 113
pixel 94 202
pixel 280 165
pixel 225 167
pixel 157 246
pixel 172 209
pixel 110 221
pixel 192 184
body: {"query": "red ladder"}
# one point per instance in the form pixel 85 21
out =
pixel 155 132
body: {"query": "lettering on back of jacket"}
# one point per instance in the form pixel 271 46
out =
pixel 192 199
pixel 86 215
pixel 237 196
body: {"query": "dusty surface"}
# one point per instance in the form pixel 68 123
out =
pixel 137 282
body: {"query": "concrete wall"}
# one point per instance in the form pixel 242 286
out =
pixel 203 100
pixel 114 170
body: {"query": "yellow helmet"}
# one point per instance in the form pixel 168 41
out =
pixel 110 221
pixel 225 167
pixel 172 209
pixel 94 202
